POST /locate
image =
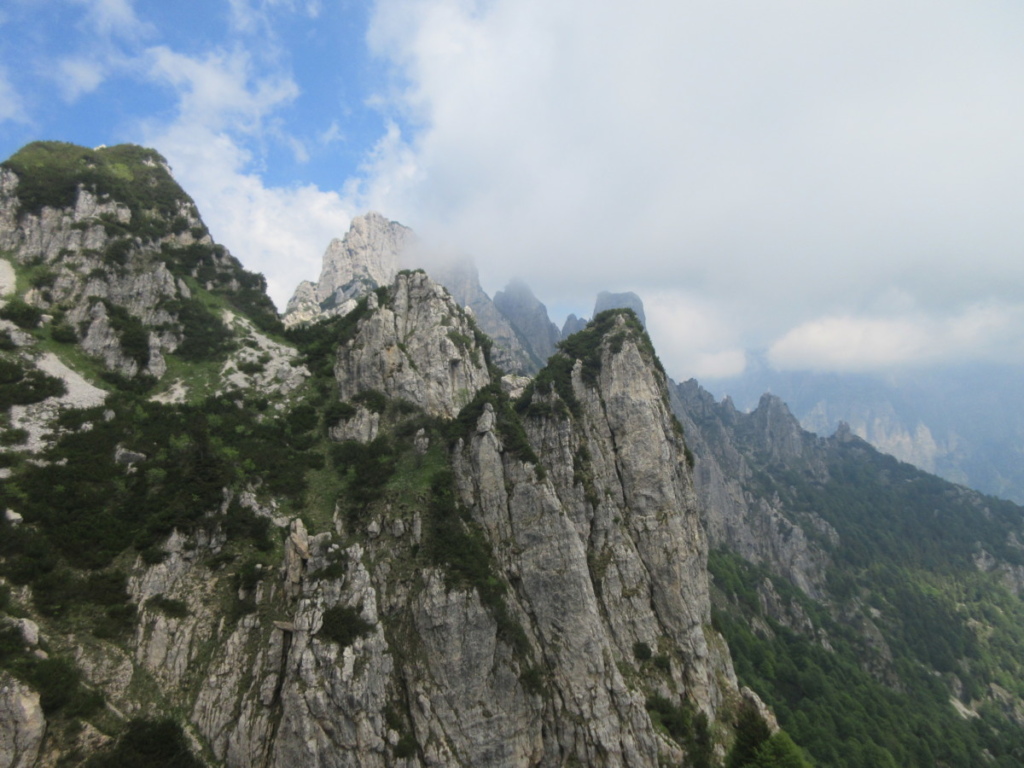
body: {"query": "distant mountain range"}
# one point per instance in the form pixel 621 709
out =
pixel 963 423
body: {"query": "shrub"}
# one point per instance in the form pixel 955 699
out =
pixel 21 314
pixel 154 744
pixel 133 336
pixel 373 400
pixel 303 418
pixel 206 337
pixel 19 386
pixel 372 467
pixel 60 689
pixel 338 411
pixel 51 172
pixel 176 609
pixel 15 436
pixel 63 333
pixel 343 625
pixel 641 651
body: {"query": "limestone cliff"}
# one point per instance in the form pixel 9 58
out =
pixel 370 255
pixel 367 257
pixel 739 514
pixel 529 317
pixel 418 346
pixel 116 260
pixel 382 560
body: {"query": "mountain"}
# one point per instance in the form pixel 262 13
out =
pixel 626 300
pixel 357 541
pixel 371 254
pixel 957 422
pixel 340 544
pixel 366 258
pixel 529 318
pixel 875 607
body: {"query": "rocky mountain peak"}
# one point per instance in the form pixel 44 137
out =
pixel 414 342
pixel 529 317
pixel 625 300
pixel 371 254
pixel 367 257
pixel 118 259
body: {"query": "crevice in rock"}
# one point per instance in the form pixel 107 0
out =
pixel 276 707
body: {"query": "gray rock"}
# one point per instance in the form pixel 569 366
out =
pixel 626 300
pixel 573 325
pixel 22 724
pixel 420 347
pixel 529 318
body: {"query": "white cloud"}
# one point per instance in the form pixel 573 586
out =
pixel 692 337
pixel 988 332
pixel 219 90
pixel 114 17
pixel 11 106
pixel 77 77
pixel 251 16
pixel 279 231
pixel 332 134
pixel 788 160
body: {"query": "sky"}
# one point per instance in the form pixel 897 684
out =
pixel 838 185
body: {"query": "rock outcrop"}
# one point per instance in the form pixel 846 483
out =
pixel 115 270
pixel 418 346
pixel 367 257
pixel 22 724
pixel 529 318
pixel 726 445
pixel 626 300
pixel 370 256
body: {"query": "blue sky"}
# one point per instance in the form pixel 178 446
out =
pixel 837 184
pixel 84 71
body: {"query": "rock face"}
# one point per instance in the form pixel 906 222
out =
pixel 573 325
pixel 588 526
pixel 460 277
pixel 726 444
pixel 370 256
pixel 457 578
pixel 418 346
pixel 530 320
pixel 22 724
pixel 367 257
pixel 953 421
pixel 626 300
pixel 118 271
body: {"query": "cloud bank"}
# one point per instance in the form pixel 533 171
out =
pixel 791 164
pixel 221 102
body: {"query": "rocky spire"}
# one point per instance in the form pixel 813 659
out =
pixel 529 318
pixel 367 257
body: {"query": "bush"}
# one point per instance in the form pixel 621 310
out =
pixel 642 651
pixel 133 336
pixel 21 314
pixel 50 173
pixel 19 386
pixel 149 743
pixel 63 333
pixel 343 625
pixel 59 684
pixel 375 401
pixel 176 609
pixel 372 467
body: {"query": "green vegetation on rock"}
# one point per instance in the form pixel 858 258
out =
pixel 51 172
